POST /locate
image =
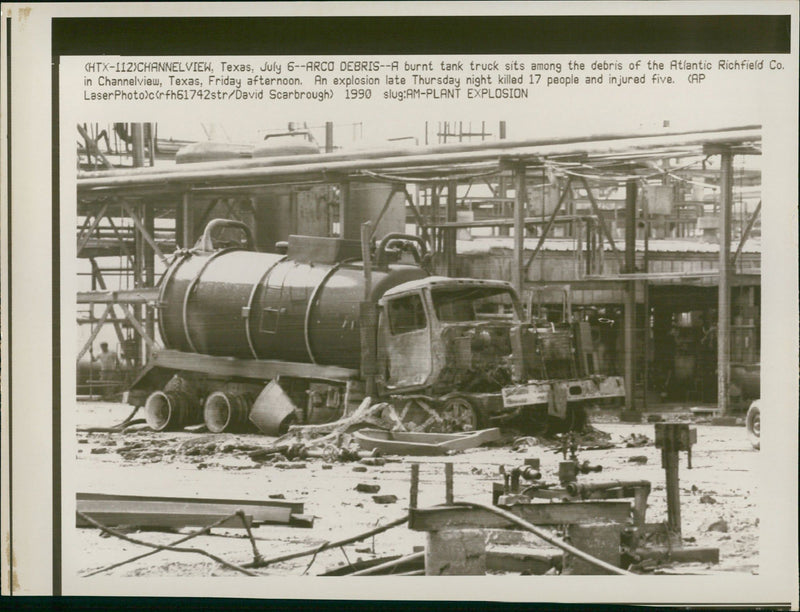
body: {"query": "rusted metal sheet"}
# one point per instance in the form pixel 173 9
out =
pixel 141 518
pixel 422 444
pixel 250 505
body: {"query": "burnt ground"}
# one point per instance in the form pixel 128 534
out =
pixel 720 487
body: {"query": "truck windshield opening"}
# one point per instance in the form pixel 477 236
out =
pixel 463 304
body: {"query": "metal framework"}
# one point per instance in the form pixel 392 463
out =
pixel 119 208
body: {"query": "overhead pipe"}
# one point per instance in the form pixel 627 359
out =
pixel 324 164
pixel 290 160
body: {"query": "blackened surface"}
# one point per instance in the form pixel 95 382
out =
pixel 485 34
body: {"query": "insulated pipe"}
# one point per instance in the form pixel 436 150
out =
pixel 325 166
pixel 290 160
pixel 574 488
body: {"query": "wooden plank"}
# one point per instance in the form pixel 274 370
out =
pixel 159 519
pixel 572 513
pixel 259 514
pixel 294 507
pixel 259 369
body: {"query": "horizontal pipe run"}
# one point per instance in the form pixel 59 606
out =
pixel 325 166
pixel 407 152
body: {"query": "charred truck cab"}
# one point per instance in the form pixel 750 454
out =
pixel 277 338
pixel 464 344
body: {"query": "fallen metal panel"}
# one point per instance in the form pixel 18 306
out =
pixel 455 517
pixel 258 514
pixel 245 504
pixel 160 519
pixel 421 444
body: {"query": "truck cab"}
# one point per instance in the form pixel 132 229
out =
pixel 468 339
pixel 444 332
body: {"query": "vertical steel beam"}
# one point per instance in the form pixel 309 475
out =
pixel 724 305
pixel 520 193
pixel 348 228
pixel 329 137
pixel 450 233
pixel 137 135
pixel 148 221
pixel 187 216
pixel 434 217
pixel 630 294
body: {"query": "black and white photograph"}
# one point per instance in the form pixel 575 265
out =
pixel 373 305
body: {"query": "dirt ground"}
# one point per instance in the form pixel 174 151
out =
pixel 720 487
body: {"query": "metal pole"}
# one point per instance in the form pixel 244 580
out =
pixel 368 315
pixel 630 294
pixel 149 277
pixel 451 233
pixel 137 134
pixel 646 287
pixel 724 306
pixel 518 267
pixel 329 136
pixel 347 225
pixel 188 221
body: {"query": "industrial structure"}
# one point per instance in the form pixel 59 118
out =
pixel 646 239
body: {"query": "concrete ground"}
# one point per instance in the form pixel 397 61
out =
pixel 720 487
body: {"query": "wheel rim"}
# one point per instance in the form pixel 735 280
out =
pixel 459 415
pixel 756 422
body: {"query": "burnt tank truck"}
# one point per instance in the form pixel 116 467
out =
pixel 277 339
pixel 303 335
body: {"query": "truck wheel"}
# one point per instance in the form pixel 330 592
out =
pixel 459 414
pixel 753 423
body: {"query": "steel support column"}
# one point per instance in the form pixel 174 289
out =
pixel 187 221
pixel 148 221
pixel 449 238
pixel 630 295
pixel 137 135
pixel 348 228
pixel 329 136
pixel 518 265
pixel 724 305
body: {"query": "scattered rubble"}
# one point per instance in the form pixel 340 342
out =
pixel 635 440
pixel 367 488
pixel 640 459
pixel 721 525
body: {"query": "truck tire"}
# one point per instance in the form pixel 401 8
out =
pixel 753 423
pixel 460 414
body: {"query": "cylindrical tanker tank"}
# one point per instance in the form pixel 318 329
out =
pixel 254 305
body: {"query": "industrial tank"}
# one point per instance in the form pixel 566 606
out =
pixel 302 306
